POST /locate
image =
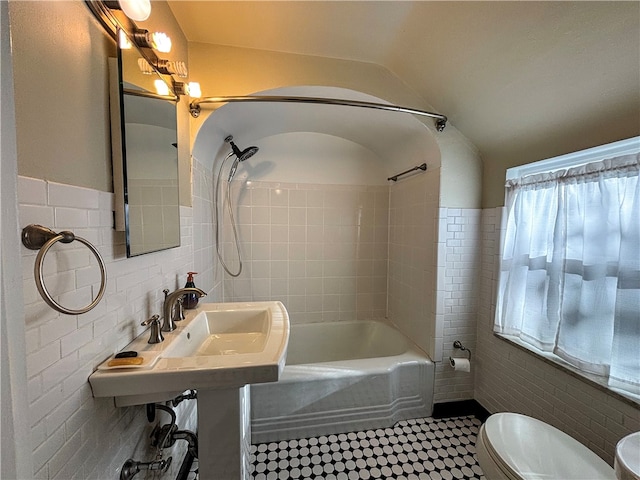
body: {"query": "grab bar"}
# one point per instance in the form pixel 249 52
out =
pixel 37 237
pixel 422 167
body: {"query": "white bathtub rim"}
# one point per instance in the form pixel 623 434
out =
pixel 351 368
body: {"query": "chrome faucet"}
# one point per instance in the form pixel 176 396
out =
pixel 170 299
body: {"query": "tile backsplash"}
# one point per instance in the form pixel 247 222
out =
pixel 74 435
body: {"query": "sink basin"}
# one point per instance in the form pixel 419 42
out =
pixel 218 345
pixel 225 332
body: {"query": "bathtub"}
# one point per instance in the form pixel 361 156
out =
pixel 340 377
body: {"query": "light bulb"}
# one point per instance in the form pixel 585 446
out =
pixel 158 40
pixel 172 68
pixel 137 10
pixel 194 90
pixel 144 66
pixel 161 87
pixel 161 42
pixel 123 40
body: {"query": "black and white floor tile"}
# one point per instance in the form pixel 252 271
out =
pixel 417 449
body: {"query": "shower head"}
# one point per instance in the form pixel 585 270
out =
pixel 244 154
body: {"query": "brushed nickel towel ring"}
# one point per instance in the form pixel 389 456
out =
pixel 37 237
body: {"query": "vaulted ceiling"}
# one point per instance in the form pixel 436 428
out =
pixel 522 80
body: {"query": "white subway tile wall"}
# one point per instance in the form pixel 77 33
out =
pixel 205 263
pixel 413 253
pixel 153 199
pixel 457 298
pixel 320 249
pixel 73 434
pixel 509 379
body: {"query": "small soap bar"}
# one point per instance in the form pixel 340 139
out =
pixel 119 362
pixel 127 354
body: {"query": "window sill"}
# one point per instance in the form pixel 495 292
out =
pixel 557 362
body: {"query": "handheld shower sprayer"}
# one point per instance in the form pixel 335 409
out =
pixel 241 156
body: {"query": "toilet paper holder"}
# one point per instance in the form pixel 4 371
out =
pixel 458 344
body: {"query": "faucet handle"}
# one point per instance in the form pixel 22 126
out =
pixel 156 334
pixel 178 310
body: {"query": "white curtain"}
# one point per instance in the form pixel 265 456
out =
pixel 570 267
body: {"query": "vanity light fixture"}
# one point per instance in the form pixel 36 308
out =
pixel 137 10
pixel 165 67
pixel 158 40
pixel 194 90
pixel 123 41
pixel 180 88
pixel 168 67
pixel 145 67
pixel 161 42
pixel 161 87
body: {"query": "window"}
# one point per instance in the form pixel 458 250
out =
pixel 570 265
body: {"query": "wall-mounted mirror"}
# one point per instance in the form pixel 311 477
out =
pixel 145 157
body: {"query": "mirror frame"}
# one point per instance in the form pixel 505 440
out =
pixel 165 229
pixel 112 22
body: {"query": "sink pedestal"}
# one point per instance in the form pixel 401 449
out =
pixel 224 433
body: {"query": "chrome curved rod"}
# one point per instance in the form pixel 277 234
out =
pixel 194 107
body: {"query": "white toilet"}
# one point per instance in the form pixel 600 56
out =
pixel 627 461
pixel 511 446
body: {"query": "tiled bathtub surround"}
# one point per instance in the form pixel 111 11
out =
pixel 320 249
pixel 74 435
pixel 509 379
pixel 413 249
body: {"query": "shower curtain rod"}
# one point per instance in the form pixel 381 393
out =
pixel 194 107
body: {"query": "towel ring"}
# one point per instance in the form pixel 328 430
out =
pixel 37 237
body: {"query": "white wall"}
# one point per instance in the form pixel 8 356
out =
pixel 15 461
pixel 307 157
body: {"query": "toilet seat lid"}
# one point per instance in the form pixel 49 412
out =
pixel 527 448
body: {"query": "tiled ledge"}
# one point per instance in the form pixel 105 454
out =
pixel 556 362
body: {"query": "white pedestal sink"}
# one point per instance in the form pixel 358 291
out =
pixel 217 350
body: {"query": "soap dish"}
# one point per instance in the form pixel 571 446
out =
pixel 149 359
